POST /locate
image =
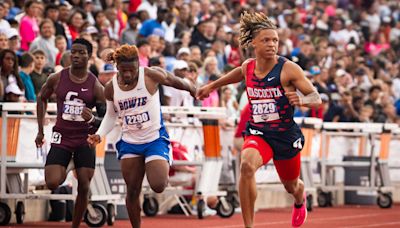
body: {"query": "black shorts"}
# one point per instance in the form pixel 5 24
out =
pixel 285 144
pixel 83 156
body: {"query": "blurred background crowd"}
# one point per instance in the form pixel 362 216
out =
pixel 349 49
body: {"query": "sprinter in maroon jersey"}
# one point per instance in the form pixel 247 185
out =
pixel 77 92
pixel 271 84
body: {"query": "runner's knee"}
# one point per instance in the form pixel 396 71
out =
pixel 291 187
pixel 133 193
pixel 159 186
pixel 247 169
pixel 52 185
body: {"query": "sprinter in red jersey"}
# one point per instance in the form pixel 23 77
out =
pixel 271 84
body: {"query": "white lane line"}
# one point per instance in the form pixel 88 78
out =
pixel 373 225
pixel 313 220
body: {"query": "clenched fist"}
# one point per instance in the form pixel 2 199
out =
pixel 87 114
pixel 93 140
pixel 203 92
pixel 294 98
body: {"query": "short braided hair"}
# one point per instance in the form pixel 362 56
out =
pixel 251 24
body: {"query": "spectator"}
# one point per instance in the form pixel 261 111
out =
pixel 185 20
pixel 210 67
pixel 101 22
pixel 95 63
pixel 104 42
pixel 375 99
pixel 3 40
pixel 203 35
pixel 195 53
pixel 395 33
pixel 9 71
pixel 114 28
pixel 29 28
pixel 14 93
pixel 320 79
pixel 89 9
pixel 176 97
pixel 4 25
pixel 233 53
pixel 154 26
pixel 13 41
pixel 52 13
pixel 213 100
pixel 61 24
pixel 349 34
pixel 169 27
pixel 218 48
pixel 144 52
pixel 61 45
pixel 76 22
pixel 232 108
pixel 154 42
pixel 349 113
pixel 143 16
pixel 366 114
pixel 181 175
pixel 37 76
pixel 184 39
pixel 46 42
pixel 337 36
pixel 159 61
pixel 195 10
pixel 27 65
pixel 183 54
pixel 150 6
pixel 65 61
pixel 107 73
pixel 130 34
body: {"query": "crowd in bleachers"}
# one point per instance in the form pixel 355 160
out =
pixel 349 49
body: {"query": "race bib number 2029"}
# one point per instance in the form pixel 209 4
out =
pixel 264 110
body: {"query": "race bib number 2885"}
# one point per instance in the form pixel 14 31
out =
pixel 264 110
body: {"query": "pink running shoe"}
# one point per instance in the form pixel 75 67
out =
pixel 299 215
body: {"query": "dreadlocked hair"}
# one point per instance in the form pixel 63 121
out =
pixel 251 24
pixel 125 53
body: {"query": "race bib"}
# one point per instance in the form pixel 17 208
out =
pixel 55 138
pixel 264 110
pixel 72 111
pixel 138 121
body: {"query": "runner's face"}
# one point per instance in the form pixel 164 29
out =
pixel 128 71
pixel 79 55
pixel 266 43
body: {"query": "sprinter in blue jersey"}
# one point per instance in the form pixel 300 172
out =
pixel 144 147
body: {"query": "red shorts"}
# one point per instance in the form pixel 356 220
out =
pixel 288 169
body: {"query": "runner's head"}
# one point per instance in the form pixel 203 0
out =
pixel 257 30
pixel 81 51
pixel 127 59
